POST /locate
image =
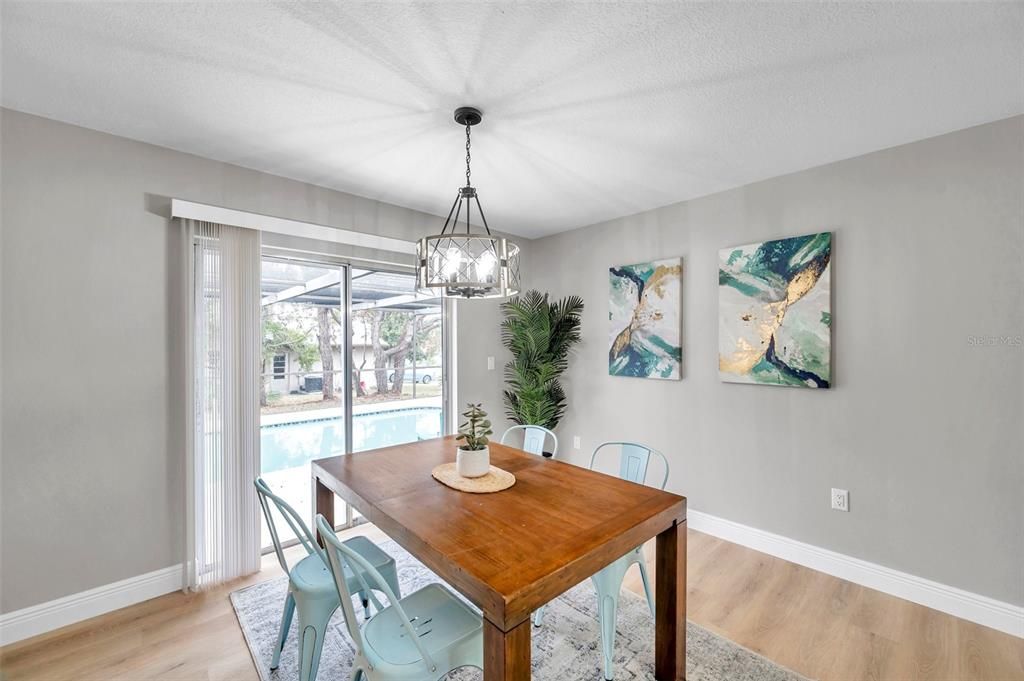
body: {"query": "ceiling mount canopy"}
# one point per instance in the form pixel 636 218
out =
pixel 468 115
pixel 467 264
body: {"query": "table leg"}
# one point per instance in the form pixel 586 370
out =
pixel 507 653
pixel 670 605
pixel 324 504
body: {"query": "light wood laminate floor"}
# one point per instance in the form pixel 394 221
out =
pixel 820 626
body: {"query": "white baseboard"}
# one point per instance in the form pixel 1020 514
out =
pixel 38 619
pixel 964 604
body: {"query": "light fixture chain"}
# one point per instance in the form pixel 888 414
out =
pixel 467 154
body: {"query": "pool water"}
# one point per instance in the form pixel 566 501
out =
pixel 293 444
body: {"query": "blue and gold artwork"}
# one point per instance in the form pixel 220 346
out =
pixel 775 312
pixel 644 309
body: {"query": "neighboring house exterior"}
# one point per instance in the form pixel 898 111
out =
pixel 286 375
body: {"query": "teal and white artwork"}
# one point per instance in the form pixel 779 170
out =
pixel 775 312
pixel 644 310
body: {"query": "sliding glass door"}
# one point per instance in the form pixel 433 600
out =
pixel 397 355
pixel 302 406
pixel 352 360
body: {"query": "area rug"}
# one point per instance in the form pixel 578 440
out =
pixel 566 648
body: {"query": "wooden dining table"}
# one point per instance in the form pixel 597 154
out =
pixel 511 552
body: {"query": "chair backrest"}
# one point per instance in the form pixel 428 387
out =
pixel 533 438
pixel 634 459
pixel 341 558
pixel 291 517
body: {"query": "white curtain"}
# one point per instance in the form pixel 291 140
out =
pixel 223 526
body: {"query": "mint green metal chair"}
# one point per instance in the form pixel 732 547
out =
pixel 533 439
pixel 634 460
pixel 310 584
pixel 421 637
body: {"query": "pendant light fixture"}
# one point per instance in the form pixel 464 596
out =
pixel 463 263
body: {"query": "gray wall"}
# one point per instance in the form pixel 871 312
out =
pixel 924 428
pixel 479 323
pixel 92 355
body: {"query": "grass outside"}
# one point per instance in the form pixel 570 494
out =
pixel 280 404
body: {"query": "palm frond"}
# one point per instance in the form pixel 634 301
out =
pixel 540 334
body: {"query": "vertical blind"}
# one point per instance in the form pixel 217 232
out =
pixel 223 527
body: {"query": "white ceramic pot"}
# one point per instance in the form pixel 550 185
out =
pixel 473 463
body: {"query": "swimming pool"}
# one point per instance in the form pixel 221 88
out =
pixel 289 445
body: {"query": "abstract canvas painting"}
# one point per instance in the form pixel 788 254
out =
pixel 644 309
pixel 775 312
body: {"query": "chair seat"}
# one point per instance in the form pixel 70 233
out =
pixel 310 575
pixel 443 621
pixel 373 554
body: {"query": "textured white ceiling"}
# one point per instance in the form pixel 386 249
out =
pixel 592 111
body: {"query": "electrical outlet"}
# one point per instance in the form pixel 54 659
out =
pixel 576 442
pixel 490 364
pixel 840 500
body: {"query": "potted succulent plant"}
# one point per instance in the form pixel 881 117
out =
pixel 473 458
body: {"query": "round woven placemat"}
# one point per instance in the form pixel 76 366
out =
pixel 494 481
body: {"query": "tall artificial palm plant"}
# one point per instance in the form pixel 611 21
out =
pixel 540 335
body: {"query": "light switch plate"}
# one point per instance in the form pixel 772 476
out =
pixel 490 364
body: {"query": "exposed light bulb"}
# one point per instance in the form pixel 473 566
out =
pixel 485 267
pixel 452 264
